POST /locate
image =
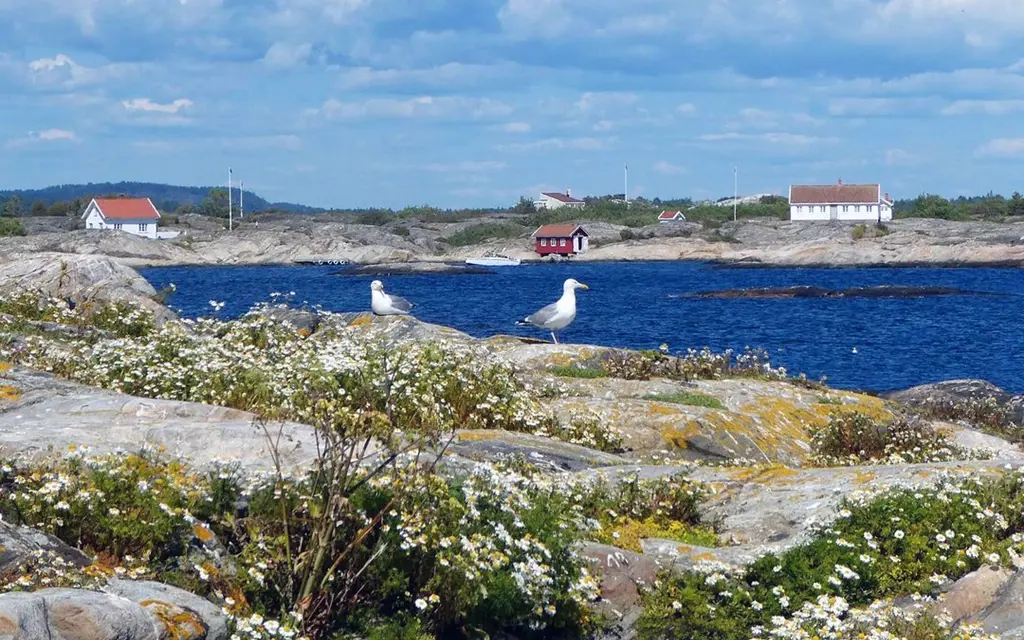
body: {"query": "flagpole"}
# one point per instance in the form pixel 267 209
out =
pixel 241 199
pixel 625 188
pixel 735 191
pixel 231 222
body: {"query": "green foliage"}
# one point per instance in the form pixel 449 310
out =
pixel 985 413
pixel 401 231
pixel 12 207
pixel 851 438
pixel 634 509
pixel 902 542
pixel 858 232
pixel 693 365
pixel 690 398
pixel 11 227
pixel 141 506
pixel 572 371
pixel 480 233
pixel 121 319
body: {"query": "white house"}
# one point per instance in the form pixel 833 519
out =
pixel 839 201
pixel 137 216
pixel 557 201
pixel 671 216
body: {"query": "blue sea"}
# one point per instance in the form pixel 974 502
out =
pixel 858 343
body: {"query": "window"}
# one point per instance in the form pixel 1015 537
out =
pixel 117 226
pixel 563 242
pixel 845 208
pixel 142 227
pixel 543 242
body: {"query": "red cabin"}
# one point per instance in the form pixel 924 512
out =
pixel 561 239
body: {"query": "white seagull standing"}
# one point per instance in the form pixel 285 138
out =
pixel 383 304
pixel 557 315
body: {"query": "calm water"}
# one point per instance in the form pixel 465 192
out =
pixel 899 342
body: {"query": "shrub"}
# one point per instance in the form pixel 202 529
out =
pixel 479 233
pixel 401 231
pixel 859 232
pixel 690 398
pixel 11 227
pixel 693 365
pixel 901 542
pixel 571 371
pixel 986 413
pixel 852 438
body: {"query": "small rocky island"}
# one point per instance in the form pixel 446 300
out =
pixel 295 473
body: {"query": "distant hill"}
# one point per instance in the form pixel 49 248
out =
pixel 165 196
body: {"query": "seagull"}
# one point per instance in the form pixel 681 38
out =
pixel 383 304
pixel 557 315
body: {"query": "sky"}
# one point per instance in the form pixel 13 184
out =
pixel 466 103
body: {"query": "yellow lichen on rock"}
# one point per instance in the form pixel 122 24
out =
pixel 9 393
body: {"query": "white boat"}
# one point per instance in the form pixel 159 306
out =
pixel 494 261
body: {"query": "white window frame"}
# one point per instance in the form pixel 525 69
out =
pixel 543 242
pixel 562 243
pixel 142 226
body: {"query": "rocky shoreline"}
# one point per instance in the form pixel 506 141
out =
pixel 744 244
pixel 702 473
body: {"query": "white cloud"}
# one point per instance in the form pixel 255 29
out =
pixel 419 107
pixel 1002 148
pixel 45 136
pixel 687 109
pixel 899 158
pixel 62 71
pixel 867 107
pixel 535 18
pixel 282 55
pixel 148 106
pixel 603 102
pixel 516 127
pixel 984 107
pixel 668 169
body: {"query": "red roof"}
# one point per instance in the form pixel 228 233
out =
pixel 561 197
pixel 127 208
pixel 669 215
pixel 559 231
pixel 835 194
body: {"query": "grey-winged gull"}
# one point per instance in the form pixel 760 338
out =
pixel 557 315
pixel 383 304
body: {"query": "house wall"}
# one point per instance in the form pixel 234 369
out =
pixel 545 202
pixel 560 246
pixel 845 212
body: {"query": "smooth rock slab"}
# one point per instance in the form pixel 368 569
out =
pixel 128 611
pixel 51 415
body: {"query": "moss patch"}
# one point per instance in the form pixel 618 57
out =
pixel 689 398
pixel 569 371
pixel 626 533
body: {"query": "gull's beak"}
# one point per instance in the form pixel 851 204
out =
pixel 583 286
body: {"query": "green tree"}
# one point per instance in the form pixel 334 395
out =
pixel 525 206
pixel 38 208
pixel 12 207
pixel 933 206
pixel 216 204
pixel 1016 205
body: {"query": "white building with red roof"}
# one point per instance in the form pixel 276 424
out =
pixel 137 216
pixel 553 200
pixel 863 202
pixel 671 216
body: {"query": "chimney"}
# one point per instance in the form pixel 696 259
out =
pixel 568 192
